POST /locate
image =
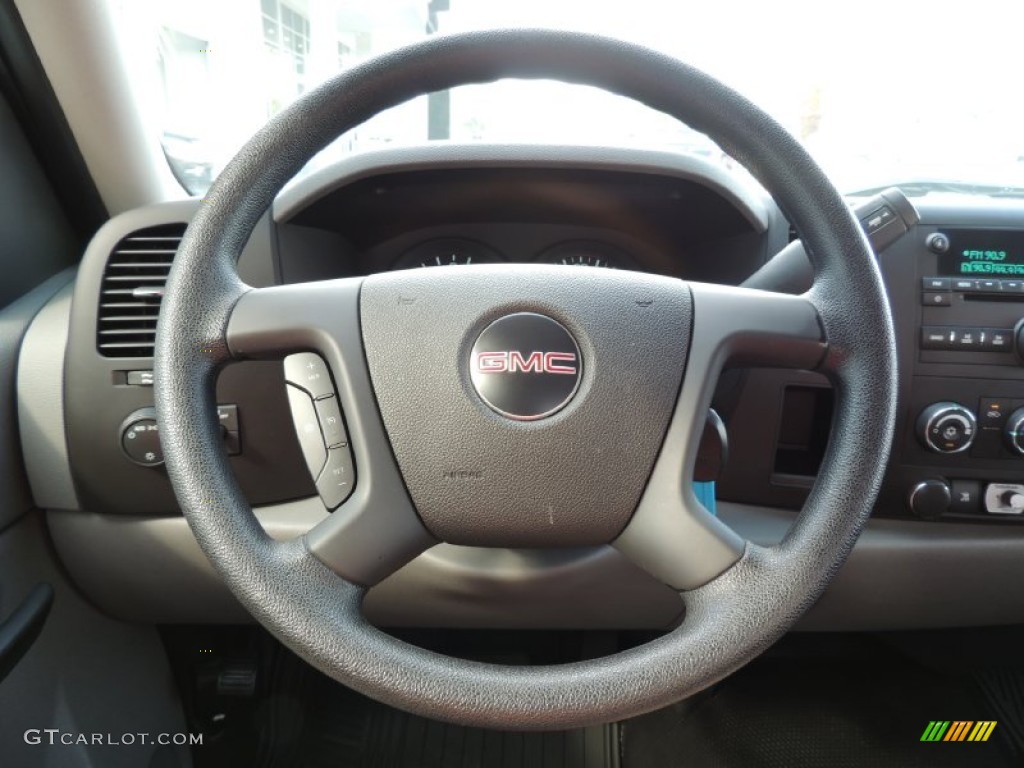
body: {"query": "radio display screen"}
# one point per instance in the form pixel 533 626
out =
pixel 983 253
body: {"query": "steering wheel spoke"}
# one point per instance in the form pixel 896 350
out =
pixel 671 534
pixel 270 323
pixel 376 530
pixel 371 535
pixel 748 327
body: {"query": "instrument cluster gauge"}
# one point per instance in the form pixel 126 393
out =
pixel 587 253
pixel 447 252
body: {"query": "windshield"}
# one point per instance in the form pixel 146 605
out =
pixel 879 92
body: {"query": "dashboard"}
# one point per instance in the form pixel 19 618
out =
pixel 947 523
pixel 670 223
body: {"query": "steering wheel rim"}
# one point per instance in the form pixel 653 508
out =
pixel 736 605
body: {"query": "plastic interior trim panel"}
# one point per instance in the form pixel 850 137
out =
pixel 749 200
pixel 41 418
pixel 97 401
pixel 16 496
pixel 903 574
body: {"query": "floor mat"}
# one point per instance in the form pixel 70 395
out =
pixel 844 702
pixel 1004 690
pixel 789 713
pixel 342 728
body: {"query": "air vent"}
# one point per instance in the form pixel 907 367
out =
pixel 133 285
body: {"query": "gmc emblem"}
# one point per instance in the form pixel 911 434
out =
pixel 539 358
pixel 512 361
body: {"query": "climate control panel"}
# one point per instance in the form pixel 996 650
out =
pixel 1014 431
pixel 947 427
pixel 996 431
pixel 983 476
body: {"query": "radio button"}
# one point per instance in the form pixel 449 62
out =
pixel 998 339
pixel 935 283
pixel 990 286
pixel 936 299
pixel 967 338
pixel 937 337
pixel 1012 286
pixel 937 242
pixel 967 286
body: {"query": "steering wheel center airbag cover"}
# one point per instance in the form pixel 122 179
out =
pixel 571 478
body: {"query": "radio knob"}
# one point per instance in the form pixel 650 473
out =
pixel 937 243
pixel 930 499
pixel 1013 433
pixel 946 427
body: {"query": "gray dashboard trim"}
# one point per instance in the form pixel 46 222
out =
pixel 15 320
pixel 902 574
pixel 41 363
pixel 41 404
pixel 908 574
pixel 84 674
pixel 748 200
pixel 150 569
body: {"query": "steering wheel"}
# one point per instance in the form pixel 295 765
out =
pixel 462 434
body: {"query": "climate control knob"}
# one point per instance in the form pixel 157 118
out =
pixel 946 427
pixel 1014 431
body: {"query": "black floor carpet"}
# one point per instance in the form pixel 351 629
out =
pixel 842 702
pixel 797 713
pixel 338 728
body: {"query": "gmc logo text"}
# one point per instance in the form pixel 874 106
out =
pixel 536 362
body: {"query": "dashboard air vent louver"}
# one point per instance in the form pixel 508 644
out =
pixel 133 285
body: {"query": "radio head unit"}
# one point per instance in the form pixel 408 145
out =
pixel 983 253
